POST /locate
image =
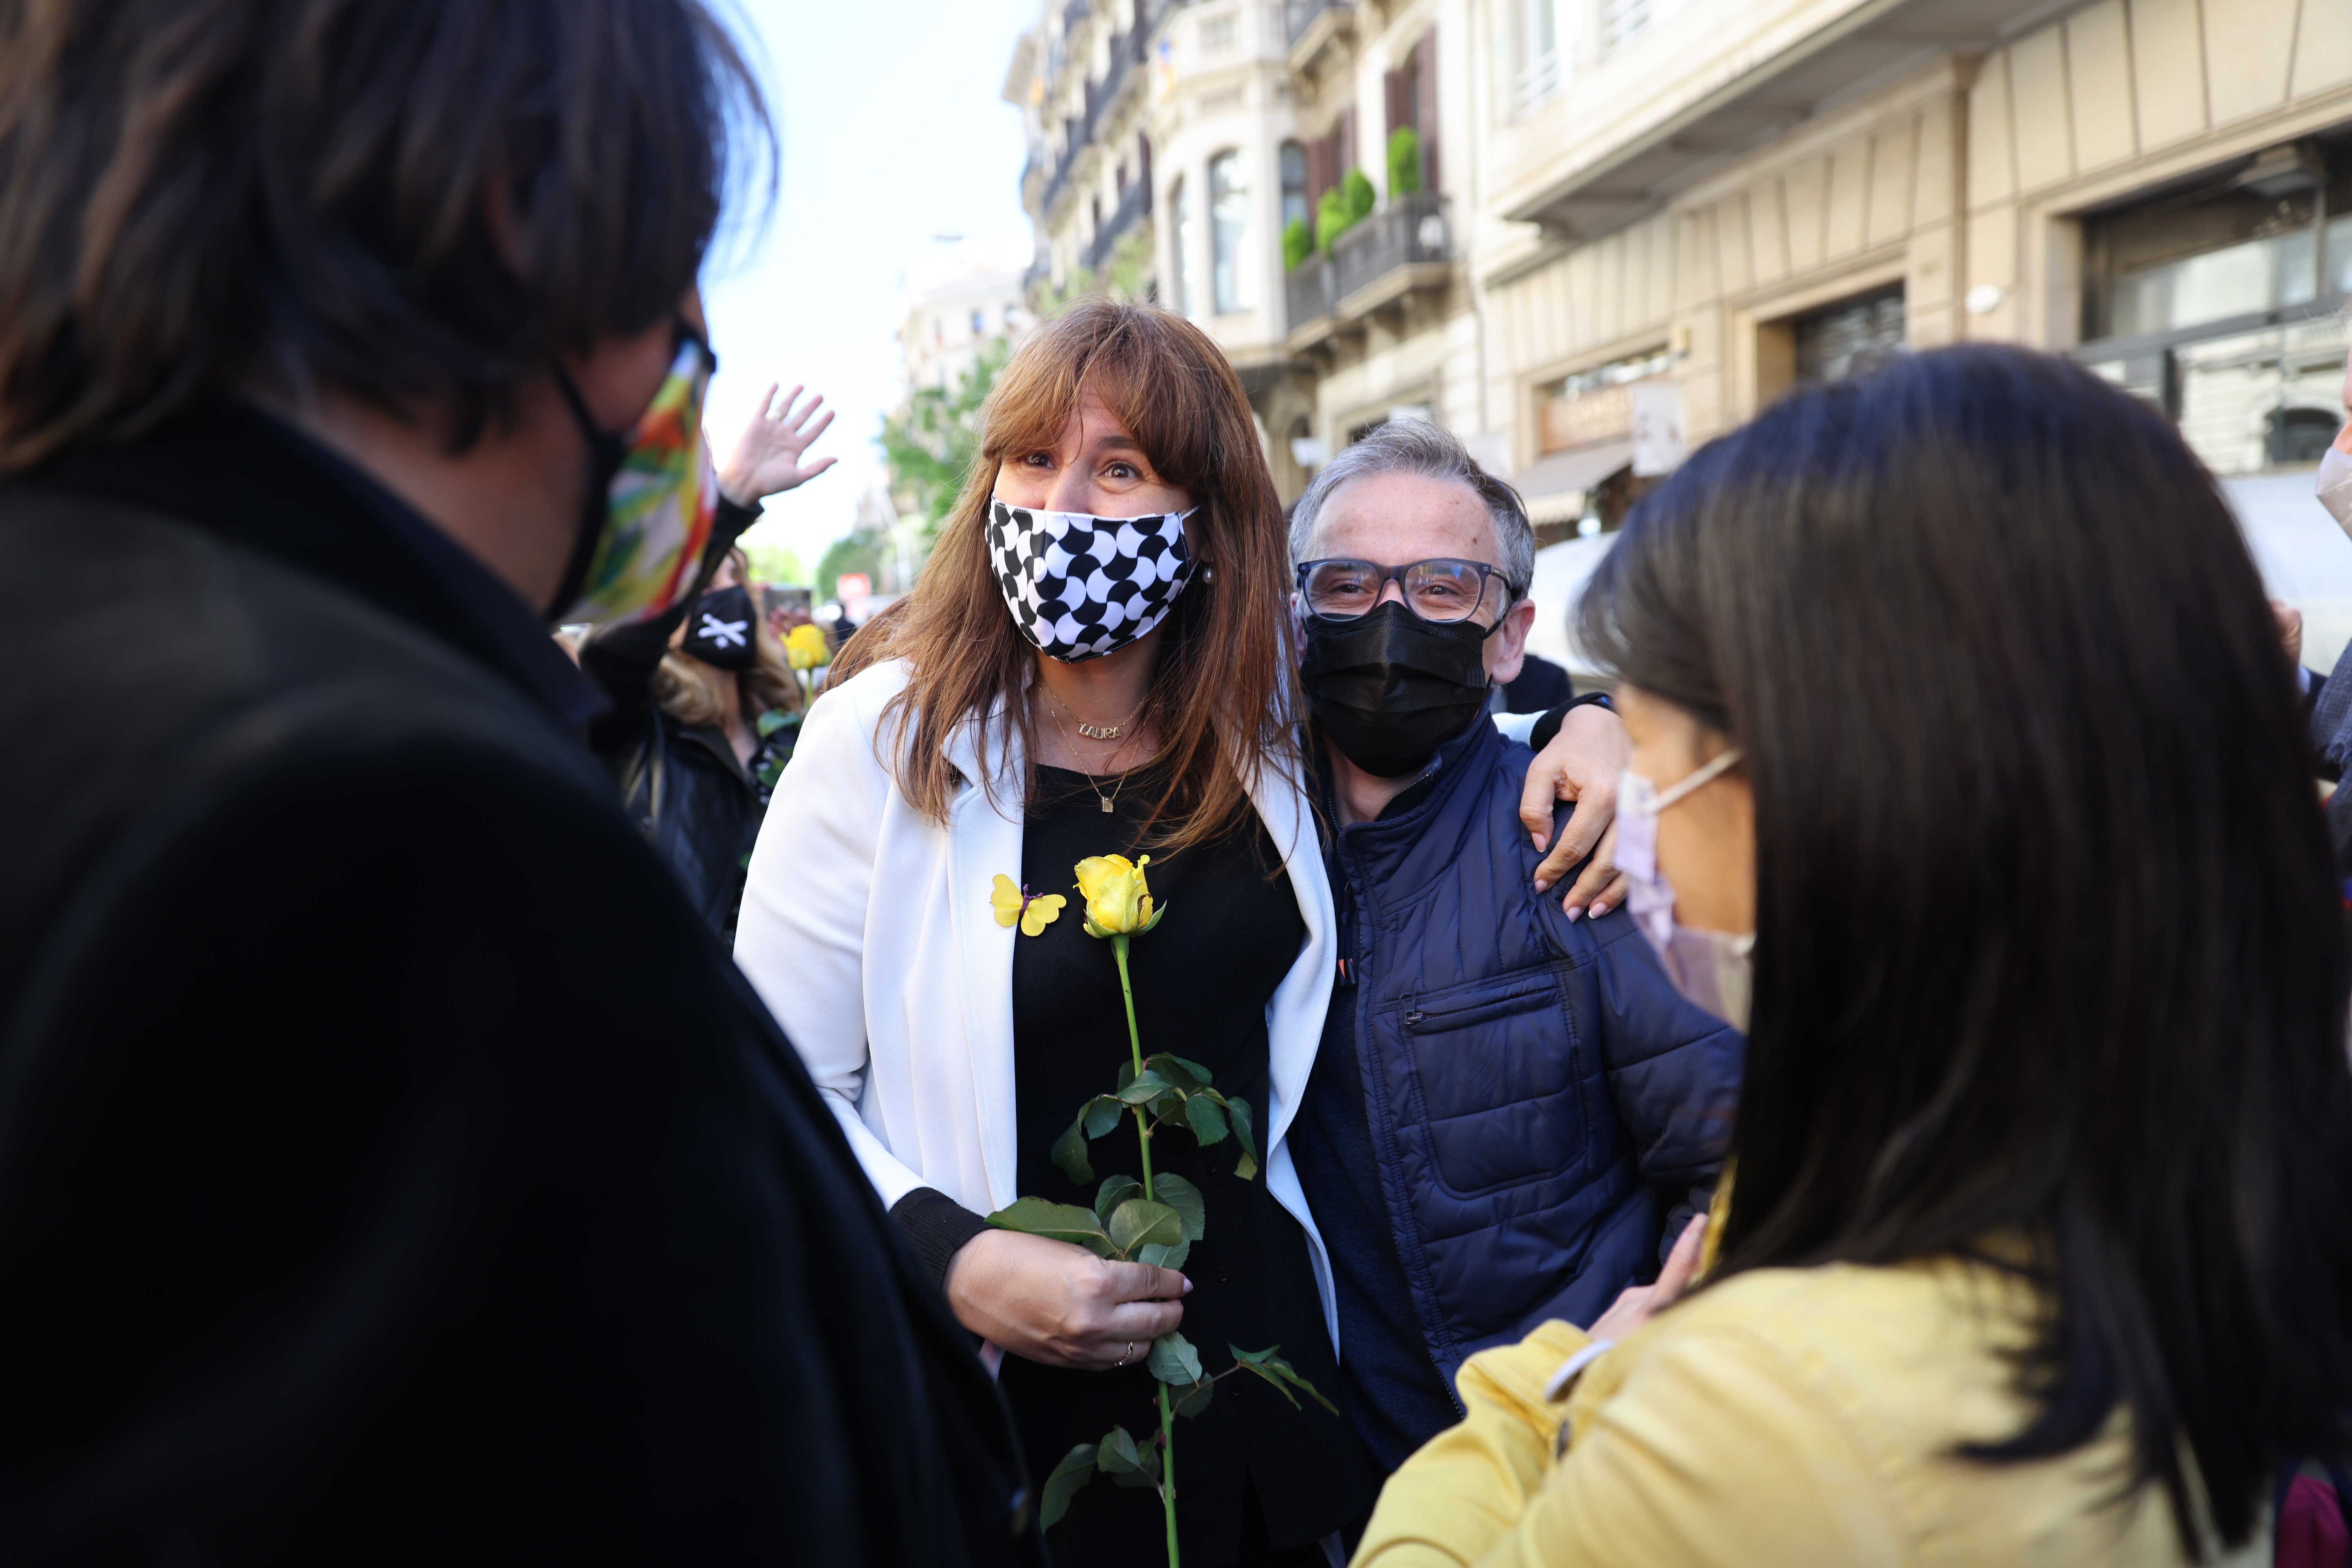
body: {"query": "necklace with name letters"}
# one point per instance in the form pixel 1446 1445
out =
pixel 1092 733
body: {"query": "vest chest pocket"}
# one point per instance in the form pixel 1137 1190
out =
pixel 1499 1080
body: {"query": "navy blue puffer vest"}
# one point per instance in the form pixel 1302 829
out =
pixel 1537 1090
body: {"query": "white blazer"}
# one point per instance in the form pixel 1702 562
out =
pixel 868 930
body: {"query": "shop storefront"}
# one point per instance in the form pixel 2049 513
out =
pixel 2218 299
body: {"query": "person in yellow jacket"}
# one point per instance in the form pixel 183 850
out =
pixel 1967 778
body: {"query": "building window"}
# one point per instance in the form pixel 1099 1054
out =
pixel 1012 315
pixel 979 323
pixel 1837 340
pixel 1294 187
pixel 2212 303
pixel 1622 22
pixel 1187 278
pixel 1217 34
pixel 1229 231
pixel 1541 64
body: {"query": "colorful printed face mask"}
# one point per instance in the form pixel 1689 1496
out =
pixel 1081 586
pixel 653 497
pixel 1711 969
pixel 2335 487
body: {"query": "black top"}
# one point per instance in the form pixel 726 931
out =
pixel 1395 1398
pixel 393 1168
pixel 1201 981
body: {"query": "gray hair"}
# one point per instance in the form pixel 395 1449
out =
pixel 1418 446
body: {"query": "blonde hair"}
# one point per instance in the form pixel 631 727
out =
pixel 696 695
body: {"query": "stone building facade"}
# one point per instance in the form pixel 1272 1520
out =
pixel 1638 220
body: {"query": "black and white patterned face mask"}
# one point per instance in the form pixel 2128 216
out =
pixel 1081 586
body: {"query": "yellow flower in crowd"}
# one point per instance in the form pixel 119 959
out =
pixel 1118 903
pixel 805 647
pixel 1034 911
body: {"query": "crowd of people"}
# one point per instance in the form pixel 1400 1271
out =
pixel 1873 1087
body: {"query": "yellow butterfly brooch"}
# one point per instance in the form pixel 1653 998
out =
pixel 1032 912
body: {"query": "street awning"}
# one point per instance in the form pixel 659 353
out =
pixel 1554 487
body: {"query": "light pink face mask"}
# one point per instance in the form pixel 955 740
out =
pixel 2335 486
pixel 1711 968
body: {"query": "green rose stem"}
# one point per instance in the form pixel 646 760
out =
pixel 1143 1138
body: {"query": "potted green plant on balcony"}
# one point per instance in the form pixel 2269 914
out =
pixel 1405 161
pixel 1297 245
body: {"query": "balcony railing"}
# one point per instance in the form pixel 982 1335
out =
pixel 1297 15
pixel 1408 231
pixel 1307 292
pixel 1133 203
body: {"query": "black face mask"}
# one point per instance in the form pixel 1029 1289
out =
pixel 719 629
pixel 1390 688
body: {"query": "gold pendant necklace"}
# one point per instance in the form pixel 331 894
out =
pixel 1094 734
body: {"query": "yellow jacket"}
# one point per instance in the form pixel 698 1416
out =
pixel 1804 1418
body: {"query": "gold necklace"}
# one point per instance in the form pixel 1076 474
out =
pixel 1096 731
pixel 1113 795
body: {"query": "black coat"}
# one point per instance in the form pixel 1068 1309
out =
pixel 392 1167
pixel 680 784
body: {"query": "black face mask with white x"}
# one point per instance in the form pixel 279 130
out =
pixel 719 629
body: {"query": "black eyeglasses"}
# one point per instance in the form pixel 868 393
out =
pixel 1439 590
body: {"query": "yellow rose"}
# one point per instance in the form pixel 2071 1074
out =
pixel 1118 903
pixel 805 647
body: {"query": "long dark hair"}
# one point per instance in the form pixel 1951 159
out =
pixel 411 203
pixel 1223 692
pixel 2048 941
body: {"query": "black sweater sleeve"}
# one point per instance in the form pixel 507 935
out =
pixel 937 1226
pixel 1548 727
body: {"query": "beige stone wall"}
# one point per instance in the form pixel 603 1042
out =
pixel 1852 202
pixel 2122 96
pixel 1972 172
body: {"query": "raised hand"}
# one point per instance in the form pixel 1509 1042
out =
pixel 769 460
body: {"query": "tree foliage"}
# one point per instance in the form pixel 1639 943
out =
pixel 860 550
pixel 929 445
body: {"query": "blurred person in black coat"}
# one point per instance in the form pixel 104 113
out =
pixel 392 1167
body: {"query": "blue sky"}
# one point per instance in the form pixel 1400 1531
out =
pixel 892 131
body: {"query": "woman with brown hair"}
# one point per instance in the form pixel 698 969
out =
pixel 1097 660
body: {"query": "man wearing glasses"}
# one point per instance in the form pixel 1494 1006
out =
pixel 1508 1100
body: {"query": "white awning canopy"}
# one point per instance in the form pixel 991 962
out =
pixel 1554 488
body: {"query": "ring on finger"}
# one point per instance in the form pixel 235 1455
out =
pixel 1129 1355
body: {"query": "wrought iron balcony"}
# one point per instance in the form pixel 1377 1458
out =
pixel 1133 205
pixel 1391 250
pixel 1297 15
pixel 1395 250
pixel 1308 296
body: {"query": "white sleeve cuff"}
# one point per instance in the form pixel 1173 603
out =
pixel 1565 1377
pixel 1517 726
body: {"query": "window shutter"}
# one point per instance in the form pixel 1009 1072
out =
pixel 1396 95
pixel 1424 77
